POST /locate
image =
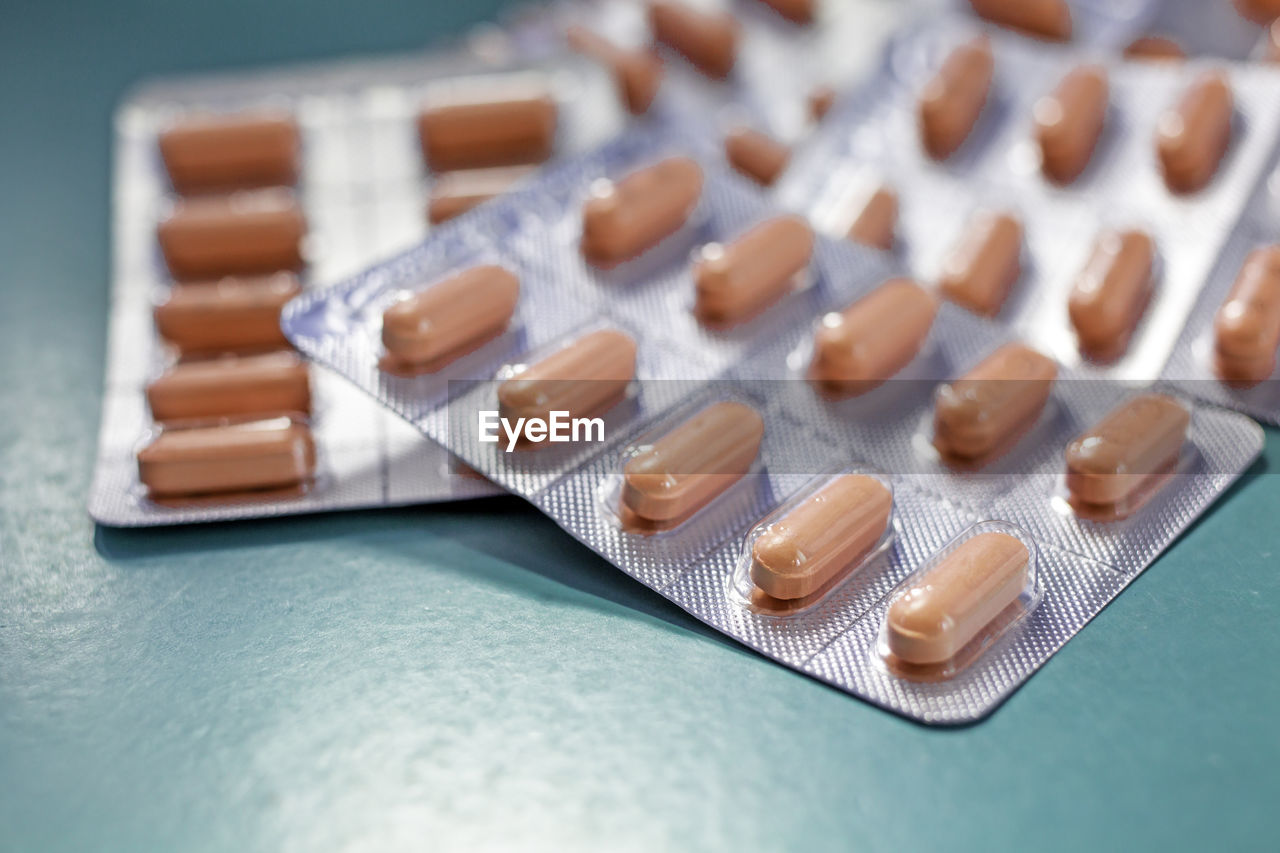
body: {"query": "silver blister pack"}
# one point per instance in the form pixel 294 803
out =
pixel 873 139
pixel 878 441
pixel 363 190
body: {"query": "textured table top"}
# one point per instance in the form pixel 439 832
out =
pixel 469 674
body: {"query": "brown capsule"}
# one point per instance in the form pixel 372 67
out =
pixel 230 386
pixel 454 193
pixel 795 11
pixel 875 223
pixel 1154 48
pixel 952 101
pixel 1043 19
pixel 624 219
pixel 1192 138
pixel 241 234
pixel 1258 11
pixel 228 315
pixel 826 535
pixel 1137 441
pixel 637 73
pixel 684 470
pixel 269 454
pixel 857 349
pixel 983 267
pixel 584 378
pixel 708 40
pixel 502 127
pixel 242 151
pixel 1246 328
pixel 983 413
pixel 757 155
pixel 735 282
pixel 821 99
pixel 452 317
pixel 949 605
pixel 1111 294
pixel 1069 122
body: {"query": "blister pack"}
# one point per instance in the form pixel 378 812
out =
pixel 234 193
pixel 773 429
pixel 1052 189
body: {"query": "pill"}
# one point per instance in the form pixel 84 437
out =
pixel 983 413
pixel 820 101
pixel 454 193
pixel 636 73
pixel 240 234
pixel 875 223
pixel 1192 138
pixel 1045 19
pixel 229 314
pixel 735 281
pixel 707 39
pixel 684 470
pixel 952 602
pixel 826 534
pixel 1109 297
pixel 267 384
pixel 795 11
pixel 452 317
pixel 584 378
pixel 757 155
pixel 1273 41
pixel 983 267
pixel 503 126
pixel 1069 122
pixel 277 453
pixel 1246 328
pixel 856 349
pixel 952 101
pixel 218 153
pixel 1136 441
pixel 621 220
pixel 1258 11
pixel 1154 48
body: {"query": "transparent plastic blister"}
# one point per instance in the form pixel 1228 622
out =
pixel 362 187
pixel 828 623
pixel 874 137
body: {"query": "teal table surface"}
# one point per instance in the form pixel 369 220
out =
pixel 468 676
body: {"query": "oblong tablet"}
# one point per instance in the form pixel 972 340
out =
pixel 624 219
pixel 586 377
pixel 795 11
pixel 1108 299
pixel 856 349
pixel 952 101
pixel 1246 329
pixel 950 604
pixel 1154 48
pixel 1069 122
pixel 825 535
pixel 261 385
pixel 758 156
pixel 736 281
pixel 475 130
pixel 707 39
pixel 278 453
pixel 636 73
pixel 875 224
pixel 211 153
pixel 1192 137
pixel 452 317
pixel 1137 441
pixel 820 100
pixel 454 193
pixel 1044 19
pixel 228 315
pixel 1258 11
pixel 983 267
pixel 984 412
pixel 690 466
pixel 240 234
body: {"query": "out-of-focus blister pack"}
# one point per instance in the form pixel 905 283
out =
pixel 362 189
pixel 752 391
